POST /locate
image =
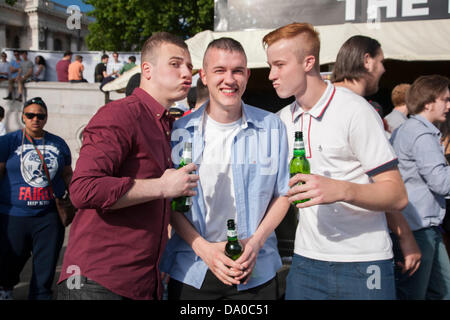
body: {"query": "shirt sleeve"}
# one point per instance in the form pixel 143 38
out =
pixel 107 141
pixel 431 163
pixel 282 184
pixel 369 142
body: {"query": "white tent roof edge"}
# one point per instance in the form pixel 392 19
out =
pixel 420 40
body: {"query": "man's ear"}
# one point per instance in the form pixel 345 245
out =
pixel 309 61
pixel 368 62
pixel 146 70
pixel 202 75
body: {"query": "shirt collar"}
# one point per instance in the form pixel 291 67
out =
pixel 156 109
pixel 427 124
pixel 197 119
pixel 319 108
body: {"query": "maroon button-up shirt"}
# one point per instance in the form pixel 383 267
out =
pixel 120 249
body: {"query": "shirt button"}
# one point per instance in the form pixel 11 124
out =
pixel 167 132
pixel 157 114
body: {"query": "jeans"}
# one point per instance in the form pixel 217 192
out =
pixel 310 279
pixel 214 289
pixel 20 237
pixel 87 290
pixel 432 280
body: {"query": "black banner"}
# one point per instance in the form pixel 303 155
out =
pixel 231 15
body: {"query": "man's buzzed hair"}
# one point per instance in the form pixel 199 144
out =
pixel 224 43
pixel 155 41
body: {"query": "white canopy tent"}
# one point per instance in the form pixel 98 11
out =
pixel 407 40
pixel 423 40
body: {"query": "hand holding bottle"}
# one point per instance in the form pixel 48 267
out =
pixel 176 183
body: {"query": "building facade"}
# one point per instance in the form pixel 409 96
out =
pixel 42 25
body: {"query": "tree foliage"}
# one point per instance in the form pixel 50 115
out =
pixel 124 25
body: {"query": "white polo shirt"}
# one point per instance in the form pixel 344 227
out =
pixel 344 140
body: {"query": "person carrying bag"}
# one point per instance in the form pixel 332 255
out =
pixel 35 172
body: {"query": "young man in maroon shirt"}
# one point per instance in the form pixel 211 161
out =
pixel 62 67
pixel 123 183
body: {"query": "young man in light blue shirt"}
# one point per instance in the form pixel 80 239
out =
pixel 242 156
pixel 426 175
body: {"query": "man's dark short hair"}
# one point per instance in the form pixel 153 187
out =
pixel 105 56
pixel 2 112
pixel 424 90
pixel 67 53
pixel 350 59
pixel 156 40
pixel 132 59
pixel 225 43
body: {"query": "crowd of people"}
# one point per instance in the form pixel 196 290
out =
pixel 21 70
pixel 371 228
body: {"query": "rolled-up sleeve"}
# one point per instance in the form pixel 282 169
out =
pixel 96 183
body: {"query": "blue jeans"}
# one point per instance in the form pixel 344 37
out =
pixel 42 236
pixel 310 279
pixel 432 280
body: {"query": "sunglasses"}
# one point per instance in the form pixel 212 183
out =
pixel 40 116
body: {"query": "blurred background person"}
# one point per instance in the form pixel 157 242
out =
pixel 29 222
pixel 14 70
pixel 76 69
pixel 39 70
pixel 4 68
pixel 24 75
pixel 62 67
pixel 100 69
pixel 426 175
pixel 128 66
pixel 2 126
pixel 400 112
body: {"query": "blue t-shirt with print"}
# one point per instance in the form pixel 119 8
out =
pixel 24 189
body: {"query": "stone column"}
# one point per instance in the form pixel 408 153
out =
pixel 2 36
pixel 50 40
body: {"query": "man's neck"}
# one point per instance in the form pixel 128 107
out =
pixel 315 87
pixel 224 114
pixel 357 86
pixel 402 108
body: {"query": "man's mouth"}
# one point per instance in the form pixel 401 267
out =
pixel 228 91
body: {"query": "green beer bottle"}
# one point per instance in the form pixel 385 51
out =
pixel 183 204
pixel 233 248
pixel 299 163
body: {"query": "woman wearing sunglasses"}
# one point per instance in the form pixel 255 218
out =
pixel 29 222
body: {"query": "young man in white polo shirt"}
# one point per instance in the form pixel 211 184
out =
pixel 342 245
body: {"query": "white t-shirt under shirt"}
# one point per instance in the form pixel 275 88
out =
pixel 344 140
pixel 216 177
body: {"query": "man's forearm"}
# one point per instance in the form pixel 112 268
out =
pixel 142 191
pixel 387 193
pixel 275 214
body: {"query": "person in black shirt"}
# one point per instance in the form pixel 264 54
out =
pixel 100 69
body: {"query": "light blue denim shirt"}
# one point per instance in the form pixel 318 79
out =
pixel 424 170
pixel 260 168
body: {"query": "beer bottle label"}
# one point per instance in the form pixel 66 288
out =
pixel 231 233
pixel 187 156
pixel 299 145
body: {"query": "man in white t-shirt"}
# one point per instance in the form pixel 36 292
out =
pixel 342 244
pixel 242 154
